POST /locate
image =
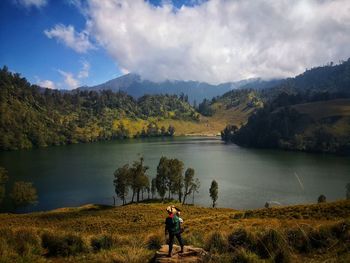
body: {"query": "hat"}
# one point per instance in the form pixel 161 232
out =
pixel 171 209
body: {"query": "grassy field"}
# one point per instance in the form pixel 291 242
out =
pixel 132 233
pixel 325 109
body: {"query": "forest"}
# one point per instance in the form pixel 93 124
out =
pixel 31 116
pixel 307 113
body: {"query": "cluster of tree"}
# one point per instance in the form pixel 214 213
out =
pixel 205 108
pixel 154 131
pixel 31 116
pixel 169 180
pixel 21 195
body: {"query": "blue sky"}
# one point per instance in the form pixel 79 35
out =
pixel 68 43
pixel 26 49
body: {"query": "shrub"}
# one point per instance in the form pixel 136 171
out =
pixel 240 238
pixel 341 230
pixel 62 245
pixel 26 242
pixel 321 199
pixel 269 244
pixel 243 256
pixel 216 243
pixel 320 238
pixel 154 242
pixel 101 242
pixel 194 238
pixel 299 240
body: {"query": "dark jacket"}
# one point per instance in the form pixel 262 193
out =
pixel 172 224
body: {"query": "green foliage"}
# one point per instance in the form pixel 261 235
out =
pixel 213 191
pixel 101 242
pixel 62 245
pixel 23 194
pixel 205 109
pixel 154 242
pixel 169 177
pixel 31 116
pixel 282 123
pixel 121 182
pixel 216 243
pixel 321 199
pixel 242 255
pixel 240 238
pixel 133 177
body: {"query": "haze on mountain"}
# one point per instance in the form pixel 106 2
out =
pixel 136 86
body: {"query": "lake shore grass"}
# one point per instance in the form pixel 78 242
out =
pixel 132 233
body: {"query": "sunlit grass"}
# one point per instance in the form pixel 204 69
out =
pixel 132 233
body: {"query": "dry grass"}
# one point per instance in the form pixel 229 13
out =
pixel 131 233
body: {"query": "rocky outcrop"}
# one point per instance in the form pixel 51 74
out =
pixel 191 254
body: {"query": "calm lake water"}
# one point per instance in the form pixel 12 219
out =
pixel 79 174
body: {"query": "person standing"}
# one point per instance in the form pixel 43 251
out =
pixel 172 227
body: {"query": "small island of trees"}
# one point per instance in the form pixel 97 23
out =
pixel 169 182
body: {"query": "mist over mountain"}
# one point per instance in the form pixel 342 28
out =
pixel 135 86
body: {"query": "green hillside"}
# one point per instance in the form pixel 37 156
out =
pixel 34 117
pixel 132 233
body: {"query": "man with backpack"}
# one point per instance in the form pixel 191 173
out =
pixel 172 226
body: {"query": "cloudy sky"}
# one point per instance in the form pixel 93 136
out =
pixel 69 43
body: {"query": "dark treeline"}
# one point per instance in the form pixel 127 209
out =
pixel 169 181
pixel 31 116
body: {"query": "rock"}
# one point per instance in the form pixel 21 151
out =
pixel 191 254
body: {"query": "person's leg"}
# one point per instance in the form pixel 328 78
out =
pixel 179 238
pixel 171 242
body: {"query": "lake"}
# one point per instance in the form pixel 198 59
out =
pixel 83 173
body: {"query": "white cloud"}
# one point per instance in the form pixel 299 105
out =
pixel 67 35
pixel 218 40
pixel 84 72
pixel 31 3
pixel 73 81
pixel 69 79
pixel 46 84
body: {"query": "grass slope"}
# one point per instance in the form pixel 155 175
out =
pixel 93 233
pixel 334 115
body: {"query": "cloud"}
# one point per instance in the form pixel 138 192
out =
pixel 31 3
pixel 73 81
pixel 84 72
pixel 217 40
pixel 46 84
pixel 69 79
pixel 67 35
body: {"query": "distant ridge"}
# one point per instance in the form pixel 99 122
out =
pixel 135 86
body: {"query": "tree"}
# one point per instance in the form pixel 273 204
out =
pixel 321 199
pixel 122 181
pixel 153 187
pixel 138 178
pixel 3 180
pixel 175 177
pixel 196 186
pixel 23 194
pixel 348 191
pixel 213 191
pixel 188 183
pixel 162 177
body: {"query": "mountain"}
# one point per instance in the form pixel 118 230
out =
pixel 310 112
pixel 135 86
